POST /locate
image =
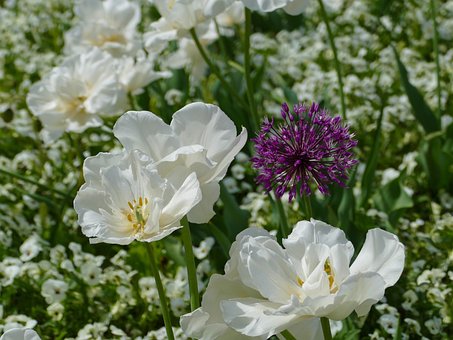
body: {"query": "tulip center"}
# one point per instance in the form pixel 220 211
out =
pixel 137 214
pixel 327 268
pixel 76 105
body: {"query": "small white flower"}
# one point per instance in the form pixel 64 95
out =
pixel 72 96
pixel 110 25
pixel 55 311
pixel 204 248
pixel 91 273
pixel 267 289
pixel 30 248
pixel 389 323
pixel 18 321
pixel 434 325
pixel 92 331
pixel 54 290
pixel 124 200
pixel 201 139
pixel 178 306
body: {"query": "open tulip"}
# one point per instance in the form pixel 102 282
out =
pixel 200 139
pixel 124 199
pixel 267 289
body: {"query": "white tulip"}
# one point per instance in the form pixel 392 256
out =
pixel 124 199
pixel 136 73
pixel 187 14
pixel 74 94
pixel 201 139
pixel 110 25
pixel 267 289
pixel 292 7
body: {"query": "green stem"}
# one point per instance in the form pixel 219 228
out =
pixel 160 291
pixel 221 238
pixel 436 54
pixel 287 335
pixel 28 180
pixel 221 42
pixel 325 17
pixel 326 329
pixel 214 68
pixel 248 78
pixel 190 263
pixel 307 206
pixel 283 221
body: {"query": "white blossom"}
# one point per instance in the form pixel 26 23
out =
pixel 267 289
pixel 123 199
pixel 201 139
pixel 74 94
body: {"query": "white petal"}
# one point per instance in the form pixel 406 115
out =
pixel 265 267
pixel 381 253
pixel 296 7
pixel 255 317
pixel 144 131
pixel 308 329
pixel 314 231
pixel 88 203
pixel 359 292
pixel 20 334
pixel 194 323
pixel 203 211
pixel 184 199
pixel 265 5
pixel 209 126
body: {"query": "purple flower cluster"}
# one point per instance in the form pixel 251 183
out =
pixel 308 146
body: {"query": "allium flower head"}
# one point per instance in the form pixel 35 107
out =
pixel 308 146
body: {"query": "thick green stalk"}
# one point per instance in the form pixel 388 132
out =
pixel 326 329
pixel 281 214
pixel 248 78
pixel 436 54
pixel 160 291
pixel 325 17
pixel 287 335
pixel 190 263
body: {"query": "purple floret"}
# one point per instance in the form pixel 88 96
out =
pixel 308 146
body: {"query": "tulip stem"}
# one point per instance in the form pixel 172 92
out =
pixel 436 54
pixel 213 67
pixel 325 18
pixel 307 205
pixel 287 335
pixel 160 291
pixel 325 324
pixel 190 263
pixel 248 78
pixel 281 214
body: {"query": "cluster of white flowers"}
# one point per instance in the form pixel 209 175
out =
pixel 105 61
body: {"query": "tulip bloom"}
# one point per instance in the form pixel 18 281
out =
pixel 201 139
pixel 267 289
pixel 123 199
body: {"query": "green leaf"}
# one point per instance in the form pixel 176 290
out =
pixel 234 218
pixel 346 208
pixel 437 162
pixel 371 164
pixel 392 197
pixel 421 110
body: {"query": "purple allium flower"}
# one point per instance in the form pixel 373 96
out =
pixel 308 146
